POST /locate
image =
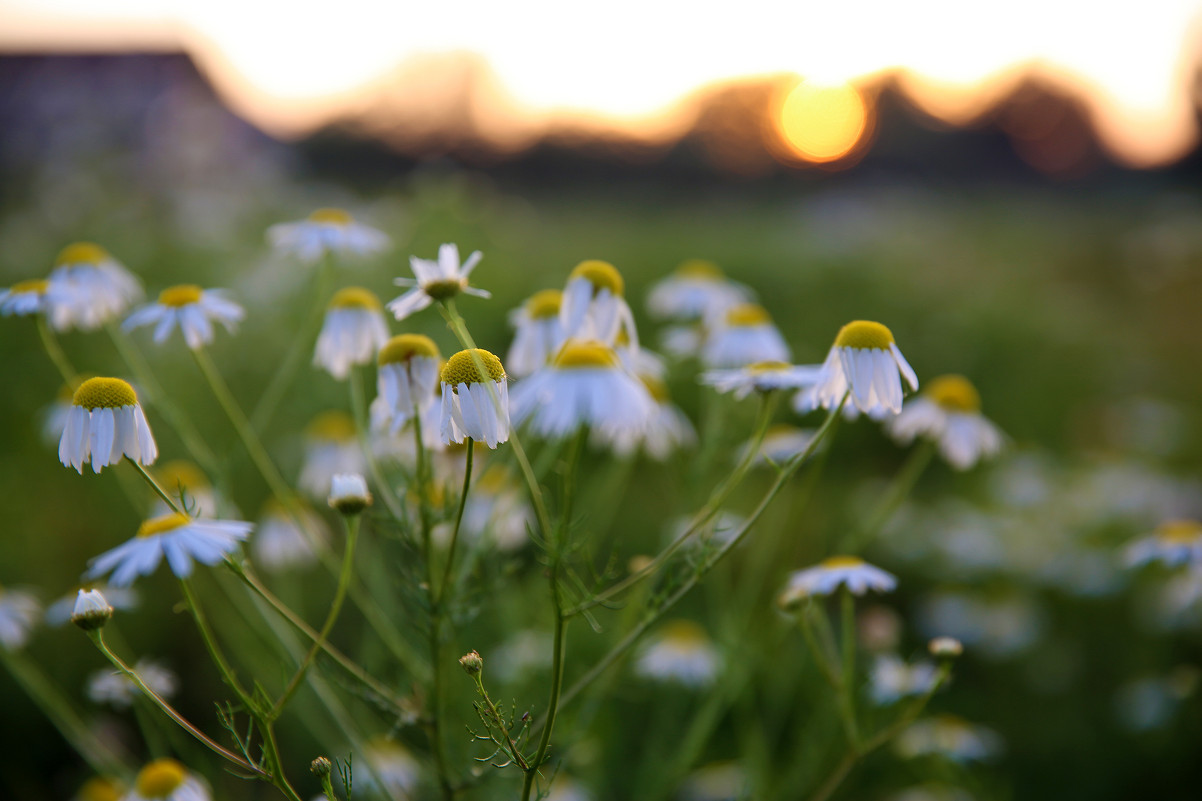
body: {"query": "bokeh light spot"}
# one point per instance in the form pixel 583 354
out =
pixel 822 123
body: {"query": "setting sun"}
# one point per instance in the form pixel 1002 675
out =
pixel 822 123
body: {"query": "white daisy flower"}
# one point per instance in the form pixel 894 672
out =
pixel 188 486
pixel 106 686
pixel 696 290
pixel 24 298
pixel 474 403
pixel 91 610
pixel 668 429
pixel 436 280
pixel 893 679
pixel 864 359
pixel 190 308
pixel 326 231
pixel 760 377
pixel 949 411
pixel 121 598
pixel 681 652
pixel 951 737
pixel 178 537
pixel 827 576
pixel 593 305
pixel 743 335
pixel 399 446
pixel 167 780
pixel 105 423
pixel 497 510
pixel 331 446
pixel 19 613
pixel 407 377
pixel 1175 542
pixel 354 329
pixel 348 493
pixel 88 288
pixel 280 543
pixel 584 385
pixel 390 767
pixel 538 332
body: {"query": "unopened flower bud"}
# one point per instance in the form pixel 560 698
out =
pixel 348 493
pixel 91 611
pixel 945 647
pixel 472 663
pixel 321 767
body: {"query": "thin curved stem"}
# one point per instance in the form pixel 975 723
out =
pixel 899 489
pixel 223 666
pixel 155 486
pixel 55 351
pixel 467 482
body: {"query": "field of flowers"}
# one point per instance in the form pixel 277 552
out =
pixel 450 492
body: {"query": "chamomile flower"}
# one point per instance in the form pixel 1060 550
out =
pixel 696 290
pixel 760 377
pixel 1173 543
pixel 538 332
pixel 668 429
pixel 281 542
pixel 107 686
pixel 865 361
pixel 681 652
pixel 828 575
pixel 741 336
pixel 584 385
pixel 59 612
pixel 105 423
pixel 88 288
pixel 893 679
pixel 407 377
pixel 949 412
pixel 192 309
pixel 497 510
pixel 354 329
pixel 178 537
pixel 24 298
pixel 100 788
pixel 593 305
pixel 348 493
pixel 19 613
pixel 331 446
pixel 326 231
pixel 167 780
pixel 91 611
pixel 951 737
pixel 436 280
pixel 475 401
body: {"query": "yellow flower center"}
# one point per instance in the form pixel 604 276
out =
pixel 494 480
pixel 331 217
pixel 81 253
pixel 158 525
pixel 462 369
pixel 601 274
pixel 746 315
pixel 767 367
pixel 684 632
pixel 99 788
pixel 354 296
pixel 181 473
pixel 104 393
pixel 954 393
pixel 331 425
pixel 701 269
pixel 182 295
pixel 841 562
pixel 576 354
pixel 657 389
pixel 36 286
pixel 160 778
pixel 1181 532
pixel 865 335
pixel 404 347
pixel 544 304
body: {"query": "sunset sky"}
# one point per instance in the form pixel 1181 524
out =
pixel 628 63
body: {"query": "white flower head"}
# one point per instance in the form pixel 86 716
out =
pixel 743 335
pixel 696 290
pixel 1175 542
pixel 436 280
pixel 667 430
pixel 475 398
pixel 760 377
pixel 88 288
pixel 354 329
pixel 105 423
pixel 326 231
pixel 865 361
pixel 538 332
pixel 950 737
pixel 107 686
pixel 828 575
pixel 91 610
pixel 893 679
pixel 119 598
pixel 282 542
pixel 180 538
pixel 19 613
pixel 348 493
pixel 167 780
pixel 585 385
pixel 24 298
pixel 682 652
pixel 594 306
pixel 949 412
pixel 331 446
pixel 192 309
pixel 407 377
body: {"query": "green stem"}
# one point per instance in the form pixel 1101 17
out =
pixel 816 648
pixel 155 486
pixel 55 351
pixel 498 719
pixel 903 483
pixel 359 412
pixel 446 571
pixel 847 690
pixel 210 641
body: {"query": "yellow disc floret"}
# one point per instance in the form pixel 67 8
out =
pixel 841 562
pixel 1181 532
pixel 82 253
pixel 37 286
pixel 104 393
pixel 767 367
pixel 544 304
pixel 182 295
pixel 602 275
pixel 163 523
pixel 657 389
pixel 954 393
pixel 404 347
pixel 746 315
pixel 865 335
pixel 684 632
pixel 100 788
pixel 354 297
pixel 160 778
pixel 332 425
pixel 699 269
pixel 330 217
pixel 462 368
pixel 576 354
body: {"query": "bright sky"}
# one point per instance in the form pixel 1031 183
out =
pixel 290 65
